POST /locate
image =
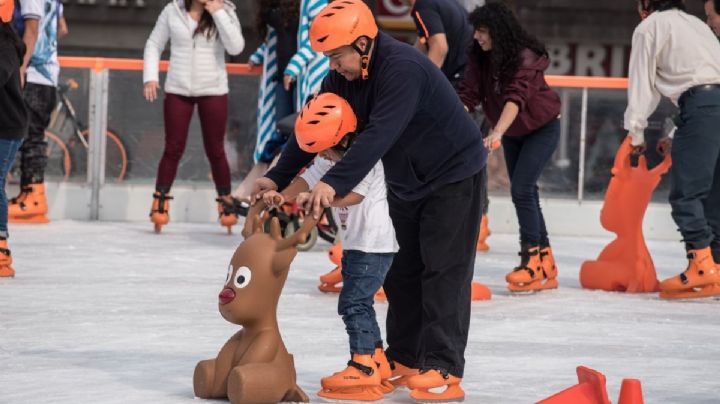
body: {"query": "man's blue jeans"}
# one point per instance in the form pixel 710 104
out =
pixel 8 149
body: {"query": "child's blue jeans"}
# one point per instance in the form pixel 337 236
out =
pixel 363 274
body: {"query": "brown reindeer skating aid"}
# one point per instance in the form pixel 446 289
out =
pixel 254 366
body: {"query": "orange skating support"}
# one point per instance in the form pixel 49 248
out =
pixel 625 264
pixel 589 390
pixel 631 392
pixel 480 292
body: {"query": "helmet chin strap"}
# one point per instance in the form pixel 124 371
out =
pixel 364 57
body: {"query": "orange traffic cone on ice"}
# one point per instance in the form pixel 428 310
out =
pixel 631 392
pixel 591 389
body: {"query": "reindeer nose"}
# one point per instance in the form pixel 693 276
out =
pixel 226 296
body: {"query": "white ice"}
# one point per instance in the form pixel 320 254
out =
pixel 112 313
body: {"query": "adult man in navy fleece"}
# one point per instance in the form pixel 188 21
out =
pixel 410 117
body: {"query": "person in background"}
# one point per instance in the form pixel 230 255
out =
pixel 200 32
pixel 712 8
pixel 445 36
pixel 677 56
pixel 36 22
pixel 292 72
pixel 13 119
pixel 506 74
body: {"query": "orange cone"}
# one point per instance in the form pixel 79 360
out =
pixel 631 392
pixel 589 390
pixel 480 292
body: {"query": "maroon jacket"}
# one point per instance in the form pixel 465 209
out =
pixel 539 105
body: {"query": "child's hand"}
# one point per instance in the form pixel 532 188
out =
pixel 302 199
pixel 273 199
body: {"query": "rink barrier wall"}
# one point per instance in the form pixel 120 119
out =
pixel 194 203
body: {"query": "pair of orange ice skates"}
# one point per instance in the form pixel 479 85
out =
pixel 370 377
pixel 160 211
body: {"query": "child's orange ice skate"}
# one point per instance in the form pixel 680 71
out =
pixel 434 379
pixel 31 206
pixel 360 381
pixel 385 370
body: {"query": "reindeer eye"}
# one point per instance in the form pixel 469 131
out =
pixel 242 277
pixel 229 273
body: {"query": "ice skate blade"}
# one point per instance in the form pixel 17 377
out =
pixel 351 394
pixel 693 293
pixel 157 228
pixel 29 219
pixel 533 286
pixel 452 394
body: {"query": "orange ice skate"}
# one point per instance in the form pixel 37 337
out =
pixel 6 270
pixel 484 234
pixel 360 381
pixel 160 211
pixel 530 275
pixel 329 282
pixel 401 373
pixel 435 379
pixel 227 212
pixel 385 369
pixel 700 279
pixel 31 206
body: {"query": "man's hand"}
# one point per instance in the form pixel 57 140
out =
pixel 273 199
pixel 214 5
pixel 302 199
pixel 262 185
pixel 664 146
pixel 320 198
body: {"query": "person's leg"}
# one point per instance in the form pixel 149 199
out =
pixel 8 149
pixel 213 111
pixel 363 274
pixel 403 285
pixel 177 111
pixel 535 153
pixel 712 212
pixel 40 102
pixel 449 225
pixel 695 152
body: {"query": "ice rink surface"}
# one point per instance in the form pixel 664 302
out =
pixel 112 313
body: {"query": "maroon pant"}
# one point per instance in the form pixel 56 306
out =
pixel 178 111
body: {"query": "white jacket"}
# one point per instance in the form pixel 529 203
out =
pixel 197 64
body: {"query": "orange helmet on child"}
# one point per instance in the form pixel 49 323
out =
pixel 6 10
pixel 323 122
pixel 340 23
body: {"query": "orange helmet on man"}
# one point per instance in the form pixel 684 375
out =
pixel 340 24
pixel 323 122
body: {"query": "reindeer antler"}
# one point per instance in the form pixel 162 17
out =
pixel 299 236
pixel 253 216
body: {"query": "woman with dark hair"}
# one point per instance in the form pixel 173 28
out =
pixel 674 54
pixel 13 118
pixel 200 32
pixel 292 72
pixel 505 73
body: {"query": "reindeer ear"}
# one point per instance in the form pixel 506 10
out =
pixel 282 260
pixel 252 219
